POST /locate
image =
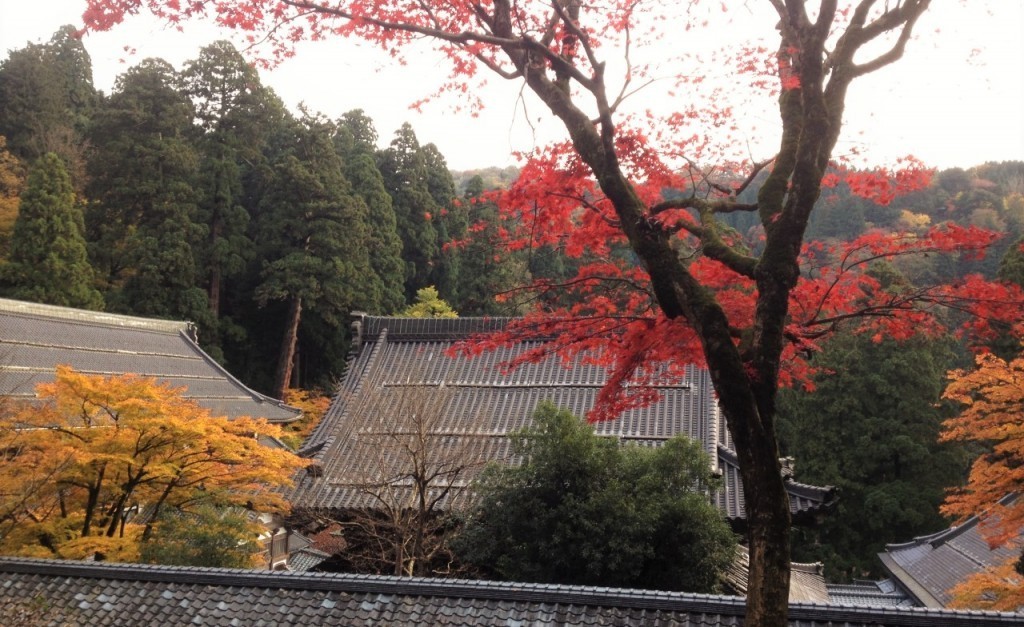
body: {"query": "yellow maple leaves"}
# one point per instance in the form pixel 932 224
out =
pixel 96 458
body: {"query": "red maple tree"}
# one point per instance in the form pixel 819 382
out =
pixel 690 290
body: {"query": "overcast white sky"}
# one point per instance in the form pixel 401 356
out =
pixel 956 99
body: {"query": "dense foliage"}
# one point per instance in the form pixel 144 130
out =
pixel 199 196
pixel 991 399
pixel 82 462
pixel 870 428
pixel 207 536
pixel 582 509
pixel 628 251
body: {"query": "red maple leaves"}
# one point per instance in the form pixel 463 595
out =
pixel 614 320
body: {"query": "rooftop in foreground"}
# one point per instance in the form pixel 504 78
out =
pixel 90 593
pixel 929 567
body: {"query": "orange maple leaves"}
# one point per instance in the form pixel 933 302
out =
pixel 95 450
pixel 992 396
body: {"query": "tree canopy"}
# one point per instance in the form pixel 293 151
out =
pixel 181 193
pixel 48 262
pixel 582 509
pixel 92 451
pixel 870 428
pixel 991 398
pixel 429 304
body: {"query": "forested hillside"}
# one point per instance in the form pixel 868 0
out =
pixel 193 194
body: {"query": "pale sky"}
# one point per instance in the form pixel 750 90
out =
pixel 956 99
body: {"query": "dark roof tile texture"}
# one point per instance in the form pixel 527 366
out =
pixel 35 339
pixel 89 593
pixel 929 566
pixel 484 402
pixel 883 593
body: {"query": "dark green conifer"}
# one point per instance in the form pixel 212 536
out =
pixel 236 115
pixel 486 270
pixel 383 243
pixel 312 236
pixel 404 169
pixel 450 222
pixel 141 225
pixel 48 262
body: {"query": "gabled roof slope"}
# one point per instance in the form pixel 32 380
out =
pixel 91 593
pixel 35 338
pixel 927 568
pixel 806 583
pixel 884 593
pixel 484 403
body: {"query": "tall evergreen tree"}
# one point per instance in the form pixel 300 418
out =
pixel 48 261
pixel 356 134
pixel 486 270
pixel 404 169
pixel 356 142
pixel 235 113
pixel 382 237
pixel 141 224
pixel 312 235
pixel 46 100
pixel 450 222
pixel 871 429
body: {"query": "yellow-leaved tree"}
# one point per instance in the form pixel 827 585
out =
pixel 992 396
pixel 12 181
pixel 89 466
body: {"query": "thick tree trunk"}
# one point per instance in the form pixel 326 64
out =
pixel 768 525
pixel 286 356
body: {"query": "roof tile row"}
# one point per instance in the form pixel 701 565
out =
pixel 36 338
pixel 82 593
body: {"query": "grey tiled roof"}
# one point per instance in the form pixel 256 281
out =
pixel 89 593
pixel 884 593
pixel 927 568
pixel 306 559
pixel 35 338
pixel 484 402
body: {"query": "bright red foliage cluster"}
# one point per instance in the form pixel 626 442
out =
pixel 882 185
pixel 618 324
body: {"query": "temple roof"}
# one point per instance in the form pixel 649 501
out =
pixel 928 567
pixel 98 593
pixel 37 338
pixel 806 581
pixel 884 593
pixel 483 403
